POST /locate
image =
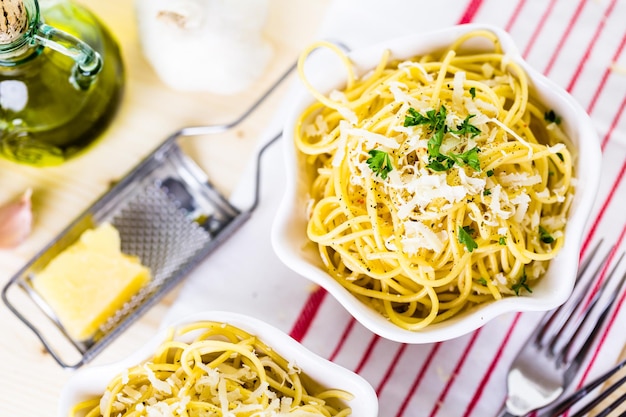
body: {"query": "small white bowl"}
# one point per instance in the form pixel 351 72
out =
pixel 292 246
pixel 91 382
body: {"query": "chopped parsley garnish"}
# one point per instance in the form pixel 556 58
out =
pixel 521 284
pixel 440 163
pixel 482 281
pixel 544 236
pixel 502 241
pixel 551 117
pixel 472 92
pixel 560 155
pixel 486 191
pixel 380 163
pixel 490 173
pixel 436 121
pixel 467 158
pixel 466 128
pixel 466 239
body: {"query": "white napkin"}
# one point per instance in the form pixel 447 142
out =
pixel 465 376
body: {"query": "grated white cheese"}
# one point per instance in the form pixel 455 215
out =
pixel 471 184
pixel 554 222
pixel 559 147
pixel 521 179
pixel 407 65
pixel 340 153
pixel 487 70
pixel 498 200
pixel 500 278
pixel 425 188
pixel 458 89
pixel 293 367
pixel 400 95
pixel 537 269
pixel 419 236
pixel 318 128
pixel 372 140
pixel 158 384
pixel 486 106
pixel 521 201
pixel 338 96
pixel 349 115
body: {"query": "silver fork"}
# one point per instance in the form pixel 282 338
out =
pixel 549 360
pixel 587 392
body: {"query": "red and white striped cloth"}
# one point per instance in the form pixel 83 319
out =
pixel 580 44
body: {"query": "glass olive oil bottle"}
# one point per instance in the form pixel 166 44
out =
pixel 61 80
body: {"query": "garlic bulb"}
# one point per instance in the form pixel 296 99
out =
pixel 205 45
pixel 16 220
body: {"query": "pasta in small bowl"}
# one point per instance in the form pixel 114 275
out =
pixel 219 363
pixel 435 182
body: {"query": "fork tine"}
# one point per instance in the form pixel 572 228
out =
pixel 585 264
pixel 569 308
pixel 564 311
pixel 559 320
pixel 586 314
pixel 583 392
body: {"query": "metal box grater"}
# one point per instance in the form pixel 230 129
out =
pixel 167 213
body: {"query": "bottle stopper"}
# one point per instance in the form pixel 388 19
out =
pixel 13 20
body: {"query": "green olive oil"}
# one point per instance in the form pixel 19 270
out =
pixel 48 112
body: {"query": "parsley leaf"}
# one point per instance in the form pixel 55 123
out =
pixel 552 117
pixel 465 238
pixel 380 163
pixel 490 173
pixel 521 284
pixel 440 163
pixel 414 118
pixel 482 281
pixel 472 92
pixel 469 157
pixel 436 121
pixel 466 128
pixel 544 236
pixel 486 192
pixel 502 241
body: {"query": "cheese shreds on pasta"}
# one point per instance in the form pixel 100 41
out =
pixel 470 204
pixel 223 372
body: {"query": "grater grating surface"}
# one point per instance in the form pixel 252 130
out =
pixel 154 228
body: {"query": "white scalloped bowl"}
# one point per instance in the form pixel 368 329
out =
pixel 91 382
pixel 292 246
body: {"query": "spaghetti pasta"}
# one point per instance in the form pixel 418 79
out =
pixel 436 183
pixel 223 371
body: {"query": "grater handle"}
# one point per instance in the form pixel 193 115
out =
pixel 220 128
pixel 47 345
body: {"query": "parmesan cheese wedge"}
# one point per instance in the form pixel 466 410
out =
pixel 90 280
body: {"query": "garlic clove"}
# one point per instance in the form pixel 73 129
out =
pixel 16 220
